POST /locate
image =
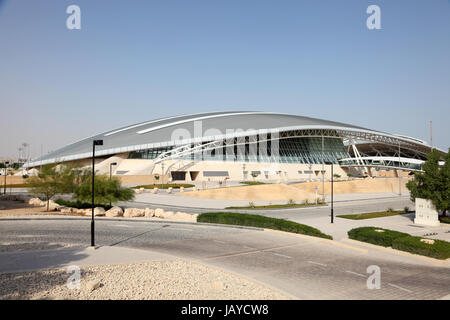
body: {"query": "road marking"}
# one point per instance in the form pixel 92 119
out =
pixel 355 273
pixel 395 286
pixel 280 255
pixel 320 264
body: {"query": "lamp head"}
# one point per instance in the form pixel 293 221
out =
pixel 98 142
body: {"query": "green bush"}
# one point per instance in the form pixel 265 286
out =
pixel 368 234
pixel 439 249
pixel 79 204
pixel 252 220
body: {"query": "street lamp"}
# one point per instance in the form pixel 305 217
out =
pixel 6 173
pixel 94 143
pixel 332 176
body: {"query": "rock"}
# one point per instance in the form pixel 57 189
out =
pixel 149 212
pixel 133 212
pixel 52 206
pixel 114 212
pixel 181 189
pixel 67 210
pixel 99 212
pixel 427 241
pixel 168 215
pixel 159 213
pixel 92 285
pixel 36 202
pixel 137 191
pixel 155 190
pixel 169 190
pixel 194 188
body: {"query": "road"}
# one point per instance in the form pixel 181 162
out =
pixel 301 267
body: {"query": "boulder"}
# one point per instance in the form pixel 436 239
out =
pixel 67 210
pixel 36 202
pixel 181 189
pixel 194 188
pixel 99 212
pixel 427 241
pixel 52 205
pixel 169 190
pixel 149 212
pixel 137 191
pixel 159 213
pixel 114 212
pixel 155 190
pixel 133 212
pixel 168 215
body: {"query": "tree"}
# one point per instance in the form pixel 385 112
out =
pixel 106 190
pixel 46 184
pixel 434 182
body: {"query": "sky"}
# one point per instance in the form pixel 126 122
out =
pixel 133 61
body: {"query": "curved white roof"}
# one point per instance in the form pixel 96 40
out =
pixel 201 127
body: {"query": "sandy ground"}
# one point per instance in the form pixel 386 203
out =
pixel 368 185
pixel 267 192
pixel 156 280
pixel 298 192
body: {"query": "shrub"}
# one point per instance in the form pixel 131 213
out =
pixel 291 201
pixel 79 204
pixel 368 234
pixel 251 204
pixel 406 209
pixel 252 220
pixel 390 210
pixel 439 249
pixel 25 176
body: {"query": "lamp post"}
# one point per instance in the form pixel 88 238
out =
pixel 94 143
pixel 6 173
pixel 332 176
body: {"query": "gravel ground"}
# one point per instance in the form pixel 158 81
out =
pixel 156 280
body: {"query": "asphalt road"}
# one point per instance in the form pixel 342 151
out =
pixel 299 266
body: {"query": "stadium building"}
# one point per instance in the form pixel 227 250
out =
pixel 244 145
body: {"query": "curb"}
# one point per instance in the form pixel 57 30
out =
pixel 444 263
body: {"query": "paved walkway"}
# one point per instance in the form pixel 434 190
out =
pixel 80 256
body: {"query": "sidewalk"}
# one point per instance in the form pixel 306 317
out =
pixel 402 223
pixel 79 256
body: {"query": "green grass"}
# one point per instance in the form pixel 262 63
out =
pixel 279 206
pixel 252 183
pixel 251 220
pixel 438 250
pixel 371 215
pixel 166 186
pixel 401 241
pixel 368 234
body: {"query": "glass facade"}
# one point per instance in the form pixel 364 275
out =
pixel 307 150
